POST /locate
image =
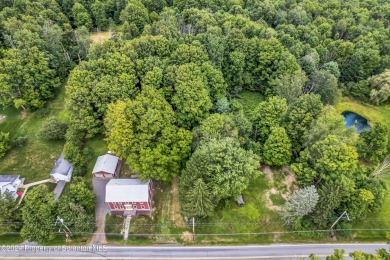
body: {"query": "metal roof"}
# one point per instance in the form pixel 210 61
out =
pixel 106 163
pixel 8 178
pixel 62 166
pixel 127 190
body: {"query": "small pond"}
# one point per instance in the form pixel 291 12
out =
pixel 353 119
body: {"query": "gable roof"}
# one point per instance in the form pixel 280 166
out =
pixel 62 166
pixel 106 163
pixel 8 178
pixel 127 190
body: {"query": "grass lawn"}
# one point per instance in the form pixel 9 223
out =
pixel 33 160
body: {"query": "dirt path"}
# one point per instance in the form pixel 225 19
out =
pixel 101 210
pixel 288 181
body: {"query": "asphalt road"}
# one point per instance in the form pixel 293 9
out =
pixel 277 251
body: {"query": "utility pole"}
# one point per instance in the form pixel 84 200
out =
pixel 66 229
pixel 337 220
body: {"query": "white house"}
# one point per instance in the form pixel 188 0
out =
pixel 11 184
pixel 62 170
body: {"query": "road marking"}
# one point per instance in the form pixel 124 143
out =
pixel 166 258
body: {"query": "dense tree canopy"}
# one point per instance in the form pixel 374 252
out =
pixel 142 131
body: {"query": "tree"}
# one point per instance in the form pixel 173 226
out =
pixel 81 16
pixel 325 84
pixel 4 143
pixel 53 129
pixel 192 97
pixel 38 214
pixel 269 114
pixel 328 159
pixel 26 81
pixel 330 197
pixel 299 117
pixel 301 203
pixel 380 87
pixel 373 144
pixel 82 195
pixel 289 86
pixel 143 132
pixel 218 126
pixel 135 13
pixel 329 122
pixel 277 148
pixel 198 201
pixel 224 167
pixel 337 255
pixel 10 215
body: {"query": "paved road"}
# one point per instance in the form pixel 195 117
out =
pixel 278 251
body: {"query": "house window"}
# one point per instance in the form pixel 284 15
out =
pixel 115 206
pixel 134 206
pixel 142 207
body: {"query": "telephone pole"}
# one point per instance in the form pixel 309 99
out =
pixel 337 220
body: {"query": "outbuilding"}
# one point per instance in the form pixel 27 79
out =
pixel 106 166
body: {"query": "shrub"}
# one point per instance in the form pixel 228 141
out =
pixel 4 143
pixel 42 112
pixel 53 129
pixel 19 140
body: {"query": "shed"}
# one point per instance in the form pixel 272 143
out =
pixel 62 170
pixel 106 166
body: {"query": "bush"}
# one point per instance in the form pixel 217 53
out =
pixel 19 140
pixel 53 129
pixel 42 112
pixel 4 143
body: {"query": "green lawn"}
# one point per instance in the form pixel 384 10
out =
pixel 33 160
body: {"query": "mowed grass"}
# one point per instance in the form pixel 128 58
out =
pixel 34 159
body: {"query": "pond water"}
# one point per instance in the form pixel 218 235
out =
pixel 353 119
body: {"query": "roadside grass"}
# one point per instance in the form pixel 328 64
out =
pixel 372 113
pixel 34 159
pixel 250 100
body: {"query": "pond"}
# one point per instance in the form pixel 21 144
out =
pixel 353 119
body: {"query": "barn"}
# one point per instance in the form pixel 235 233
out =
pixel 130 195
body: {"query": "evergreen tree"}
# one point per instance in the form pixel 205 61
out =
pixel 198 201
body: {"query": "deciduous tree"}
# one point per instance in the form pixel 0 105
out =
pixel 277 148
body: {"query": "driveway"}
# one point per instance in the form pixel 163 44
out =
pixel 101 210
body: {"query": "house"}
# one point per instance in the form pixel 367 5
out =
pixel 11 184
pixel 106 166
pixel 62 170
pixel 129 196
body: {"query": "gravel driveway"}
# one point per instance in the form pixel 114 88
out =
pixel 101 209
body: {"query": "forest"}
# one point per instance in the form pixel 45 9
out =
pixel 165 90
